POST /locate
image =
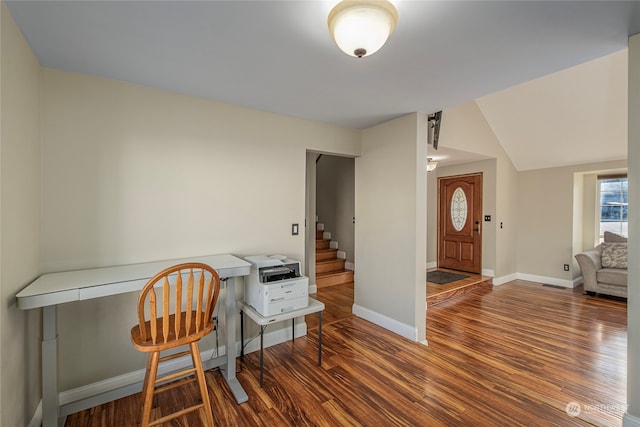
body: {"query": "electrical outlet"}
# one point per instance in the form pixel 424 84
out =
pixel 566 267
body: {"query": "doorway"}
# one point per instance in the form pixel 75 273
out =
pixel 330 204
pixel 460 222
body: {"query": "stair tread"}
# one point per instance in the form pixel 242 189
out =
pixel 333 273
pixel 326 250
pixel 328 261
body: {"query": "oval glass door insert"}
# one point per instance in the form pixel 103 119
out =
pixel 459 209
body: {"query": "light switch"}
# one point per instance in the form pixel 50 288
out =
pixel 294 229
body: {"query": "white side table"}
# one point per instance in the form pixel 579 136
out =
pixel 314 306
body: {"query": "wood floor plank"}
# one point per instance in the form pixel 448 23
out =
pixel 512 355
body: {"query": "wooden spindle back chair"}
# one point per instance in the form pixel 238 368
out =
pixel 175 308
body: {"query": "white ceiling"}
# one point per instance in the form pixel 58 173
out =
pixel 277 56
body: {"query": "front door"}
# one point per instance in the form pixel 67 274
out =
pixel 460 223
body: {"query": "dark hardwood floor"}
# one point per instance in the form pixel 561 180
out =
pixel 511 355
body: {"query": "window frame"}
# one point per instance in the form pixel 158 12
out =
pixel 599 205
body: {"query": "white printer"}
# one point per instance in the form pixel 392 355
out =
pixel 275 285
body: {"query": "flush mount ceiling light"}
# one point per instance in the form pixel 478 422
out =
pixel 431 164
pixel 360 27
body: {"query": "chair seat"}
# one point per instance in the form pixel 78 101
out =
pixel 184 338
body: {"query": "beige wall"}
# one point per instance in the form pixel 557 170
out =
pixel 335 199
pixel 432 218
pixel 390 246
pixel 586 206
pixel 113 152
pixel 586 238
pixel 506 219
pixel 464 128
pixel 546 219
pixel 20 206
pixel 633 309
pixel 134 174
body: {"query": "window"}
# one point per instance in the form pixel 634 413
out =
pixel 612 191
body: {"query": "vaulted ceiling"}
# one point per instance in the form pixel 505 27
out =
pixel 574 116
pixel 278 56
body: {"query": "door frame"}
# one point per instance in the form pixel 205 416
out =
pixel 478 211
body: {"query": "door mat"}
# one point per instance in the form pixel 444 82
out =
pixel 443 277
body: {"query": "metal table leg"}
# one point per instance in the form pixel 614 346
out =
pixel 320 338
pixel 261 355
pixel 50 403
pixel 229 368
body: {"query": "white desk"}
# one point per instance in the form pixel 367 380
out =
pixel 52 289
pixel 314 306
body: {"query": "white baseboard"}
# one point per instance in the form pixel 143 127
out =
pixel 349 266
pixel 497 281
pixel 313 289
pixel 319 226
pixel 333 244
pixel 129 378
pixel 36 419
pixel 386 322
pixel 424 342
pixel 326 235
pixel 629 420
pixel 432 264
pixel 341 255
pixel 546 280
pixel 87 391
pixel 488 272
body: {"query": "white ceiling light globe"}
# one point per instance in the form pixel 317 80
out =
pixel 361 28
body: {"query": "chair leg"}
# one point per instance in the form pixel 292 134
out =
pixel 145 383
pixel 197 363
pixel 149 387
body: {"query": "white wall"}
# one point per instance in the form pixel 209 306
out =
pixel 20 207
pixel 134 174
pixel 632 417
pixel 390 248
pixel 335 181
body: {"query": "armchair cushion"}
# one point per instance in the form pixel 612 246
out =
pixel 614 255
pixel 612 276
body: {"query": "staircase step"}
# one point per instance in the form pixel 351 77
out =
pixel 323 244
pixel 334 278
pixel 325 254
pixel 319 234
pixel 329 265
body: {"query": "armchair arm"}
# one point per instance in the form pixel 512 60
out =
pixel 590 263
